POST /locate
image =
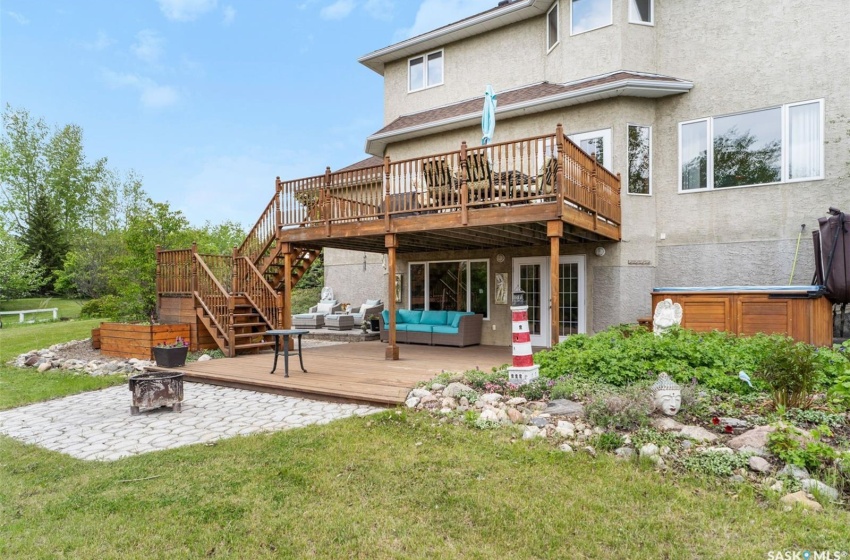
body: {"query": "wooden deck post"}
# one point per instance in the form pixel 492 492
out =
pixel 278 216
pixel 234 276
pixel 326 201
pixel 387 206
pixel 555 229
pixel 391 242
pixel 559 176
pixel 286 322
pixel 593 194
pixel 158 282
pixel 464 192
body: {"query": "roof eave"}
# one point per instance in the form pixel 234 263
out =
pixel 377 143
pixel 492 19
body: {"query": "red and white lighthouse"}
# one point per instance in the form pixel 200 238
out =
pixel 522 370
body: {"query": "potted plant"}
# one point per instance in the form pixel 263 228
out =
pixel 374 323
pixel 171 355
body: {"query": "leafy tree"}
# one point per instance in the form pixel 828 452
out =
pixel 43 239
pixel 20 275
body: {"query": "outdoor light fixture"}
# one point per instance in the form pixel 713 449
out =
pixel 519 297
pixel 599 251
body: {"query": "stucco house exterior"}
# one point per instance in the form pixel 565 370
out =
pixel 728 122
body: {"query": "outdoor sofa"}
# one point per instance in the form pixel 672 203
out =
pixel 445 328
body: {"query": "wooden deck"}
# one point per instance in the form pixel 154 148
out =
pixel 346 372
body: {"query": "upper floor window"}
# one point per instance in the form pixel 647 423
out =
pixel 640 159
pixel 773 145
pixel 586 15
pixel 425 71
pixel 597 143
pixel 552 27
pixel 642 11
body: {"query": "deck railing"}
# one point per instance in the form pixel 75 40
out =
pixel 548 168
pixel 174 271
pixel 214 297
pixel 249 282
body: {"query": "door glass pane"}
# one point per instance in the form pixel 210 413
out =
pixel 417 286
pixel 568 306
pixel 530 282
pixel 804 145
pixel 447 286
pixel 694 153
pixel 747 148
pixel 478 281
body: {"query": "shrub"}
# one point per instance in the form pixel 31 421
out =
pixel 574 387
pixel 626 409
pixel 106 307
pixel 607 441
pixel 791 373
pixel 788 444
pixel 716 463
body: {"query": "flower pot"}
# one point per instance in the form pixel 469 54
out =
pixel 170 357
pixel 375 325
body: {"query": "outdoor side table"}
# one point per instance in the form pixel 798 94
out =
pixel 286 334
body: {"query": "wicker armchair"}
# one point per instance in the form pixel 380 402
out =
pixel 441 183
pixel 479 177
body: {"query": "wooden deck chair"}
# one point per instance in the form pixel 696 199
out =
pixel 479 175
pixel 441 183
pixel 546 177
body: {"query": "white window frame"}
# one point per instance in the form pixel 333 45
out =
pixel 605 133
pixel 468 281
pixel 651 22
pixel 424 58
pixel 784 139
pixel 627 159
pixel 573 33
pixel 554 8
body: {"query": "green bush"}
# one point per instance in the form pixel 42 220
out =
pixel 305 298
pixel 626 409
pixel 106 307
pixel 607 441
pixel 791 372
pixel 789 444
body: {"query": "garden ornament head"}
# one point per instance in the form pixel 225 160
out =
pixel 668 395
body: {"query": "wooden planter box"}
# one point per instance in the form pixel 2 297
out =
pixel 752 310
pixel 126 340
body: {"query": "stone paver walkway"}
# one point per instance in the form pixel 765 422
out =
pixel 98 425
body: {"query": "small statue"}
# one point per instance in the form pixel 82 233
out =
pixel 668 395
pixel 364 327
pixel 327 293
pixel 666 315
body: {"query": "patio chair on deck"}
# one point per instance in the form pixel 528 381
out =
pixel 370 307
pixel 441 182
pixel 479 177
pixel 315 318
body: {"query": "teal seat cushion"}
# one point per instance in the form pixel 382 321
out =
pixel 409 316
pixel 456 319
pixel 443 330
pixel 411 327
pixel 401 327
pixel 434 318
pixel 386 315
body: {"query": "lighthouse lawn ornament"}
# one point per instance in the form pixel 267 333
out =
pixel 523 369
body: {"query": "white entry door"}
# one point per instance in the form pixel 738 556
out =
pixel 531 274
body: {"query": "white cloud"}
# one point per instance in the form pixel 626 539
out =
pixel 229 13
pixel 101 42
pixel 185 10
pixel 380 9
pixel 151 94
pixel 437 13
pixel 20 18
pixel 148 46
pixel 338 10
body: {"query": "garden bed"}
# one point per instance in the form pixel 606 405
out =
pixel 125 340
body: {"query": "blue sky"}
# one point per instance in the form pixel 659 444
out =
pixel 209 100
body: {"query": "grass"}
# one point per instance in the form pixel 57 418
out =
pixel 19 386
pixel 392 486
pixel 68 308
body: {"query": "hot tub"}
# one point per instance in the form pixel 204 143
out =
pixel 801 312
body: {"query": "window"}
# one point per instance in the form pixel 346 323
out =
pixel 425 71
pixel 552 27
pixel 641 11
pixel 597 142
pixel 451 286
pixel 640 159
pixel 587 15
pixel 773 145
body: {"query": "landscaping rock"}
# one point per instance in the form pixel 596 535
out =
pixel 427 398
pixel 755 439
pixel 566 448
pixel 777 486
pixel 659 462
pixel 464 402
pixel 455 389
pixel 718 449
pixel 204 358
pixel 539 422
pixel 516 416
pixel 532 432
pixel 536 405
pixel 589 450
pixel 734 422
pixel 816 486
pixel 419 393
pixel 624 452
pixel 448 402
pixel 412 402
pixel 698 433
pixel 760 451
pixel 794 471
pixel 664 451
pixel 490 414
pixel 446 410
pixel 649 450
pixel 490 398
pixel 516 401
pixel 565 429
pixel 564 407
pixel 666 424
pixel 737 479
pixel 802 499
pixel 687 444
pixel 31 360
pixel 760 465
pixel 437 386
pixel 44 367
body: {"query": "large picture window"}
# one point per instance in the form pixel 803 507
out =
pixel 773 145
pixel 640 159
pixel 425 71
pixel 451 286
pixel 587 15
pixel 597 142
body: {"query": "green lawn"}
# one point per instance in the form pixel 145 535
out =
pixel 68 309
pixel 396 485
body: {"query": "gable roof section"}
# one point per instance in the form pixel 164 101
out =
pixel 370 161
pixel 533 98
pixel 506 13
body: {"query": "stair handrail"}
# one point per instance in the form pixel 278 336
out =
pixel 219 314
pixel 264 232
pixel 258 291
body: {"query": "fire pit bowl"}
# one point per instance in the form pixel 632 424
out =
pixel 155 389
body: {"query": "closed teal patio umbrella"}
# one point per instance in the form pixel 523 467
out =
pixel 488 118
